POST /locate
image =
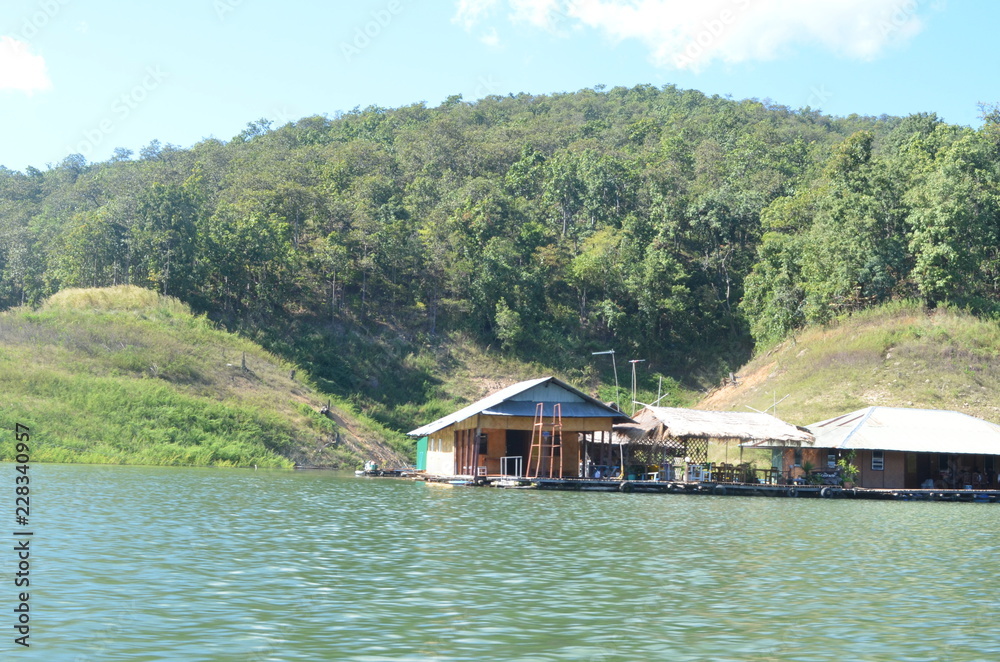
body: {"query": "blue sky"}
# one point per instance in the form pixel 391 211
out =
pixel 87 76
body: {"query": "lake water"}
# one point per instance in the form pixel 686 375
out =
pixel 198 564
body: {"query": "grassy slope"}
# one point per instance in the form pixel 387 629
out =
pixel 123 375
pixel 899 355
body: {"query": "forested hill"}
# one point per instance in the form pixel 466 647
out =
pixel 657 221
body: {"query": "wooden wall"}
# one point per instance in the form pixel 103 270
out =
pixel 571 455
pixel 893 475
pixel 496 448
pixel 817 456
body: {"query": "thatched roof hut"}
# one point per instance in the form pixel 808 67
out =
pixel 686 432
pixel 660 423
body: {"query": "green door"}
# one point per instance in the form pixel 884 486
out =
pixel 422 454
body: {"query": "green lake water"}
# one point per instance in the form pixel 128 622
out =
pixel 198 564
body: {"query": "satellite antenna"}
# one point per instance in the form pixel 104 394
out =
pixel 774 406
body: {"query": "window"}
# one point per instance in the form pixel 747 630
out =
pixel 482 444
pixel 878 460
pixel 798 457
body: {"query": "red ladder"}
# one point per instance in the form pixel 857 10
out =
pixel 555 449
pixel 546 452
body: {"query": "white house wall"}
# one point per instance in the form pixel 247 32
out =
pixel 441 453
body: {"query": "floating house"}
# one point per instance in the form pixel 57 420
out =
pixel 659 435
pixel 900 448
pixel 535 428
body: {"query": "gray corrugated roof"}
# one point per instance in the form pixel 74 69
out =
pixel 506 402
pixel 569 409
pixel 753 428
pixel 913 430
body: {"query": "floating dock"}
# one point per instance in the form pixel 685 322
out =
pixel 386 473
pixel 718 488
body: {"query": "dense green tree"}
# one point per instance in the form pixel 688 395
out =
pixel 89 253
pixel 955 222
pixel 654 220
pixel 249 259
pixel 166 236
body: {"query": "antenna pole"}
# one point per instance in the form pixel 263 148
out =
pixel 614 364
pixel 633 362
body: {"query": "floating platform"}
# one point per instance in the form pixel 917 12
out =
pixel 766 490
pixel 720 489
pixel 385 473
pixel 689 487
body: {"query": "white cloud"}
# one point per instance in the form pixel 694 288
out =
pixel 469 13
pixel 547 14
pixel 490 38
pixel 689 35
pixel 19 69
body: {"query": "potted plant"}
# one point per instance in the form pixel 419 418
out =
pixel 807 469
pixel 848 472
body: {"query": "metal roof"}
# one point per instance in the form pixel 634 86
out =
pixel 751 428
pixel 913 430
pixel 519 400
pixel 569 409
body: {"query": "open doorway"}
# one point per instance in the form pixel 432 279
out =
pixel 515 460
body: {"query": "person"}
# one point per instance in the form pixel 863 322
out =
pixel 797 475
pixel 597 473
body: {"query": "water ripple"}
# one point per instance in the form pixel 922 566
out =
pixel 195 564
